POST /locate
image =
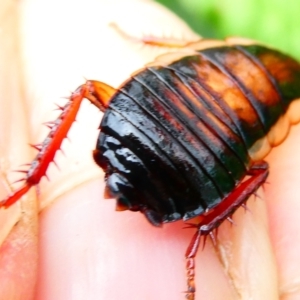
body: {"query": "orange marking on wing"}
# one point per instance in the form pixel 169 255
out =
pixel 248 73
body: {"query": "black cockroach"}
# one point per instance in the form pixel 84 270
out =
pixel 186 136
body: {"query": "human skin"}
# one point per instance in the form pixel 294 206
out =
pixel 84 249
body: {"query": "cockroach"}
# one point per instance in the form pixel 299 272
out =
pixel 187 135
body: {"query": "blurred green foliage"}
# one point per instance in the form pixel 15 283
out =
pixel 273 22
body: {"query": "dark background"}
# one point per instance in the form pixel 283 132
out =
pixel 273 22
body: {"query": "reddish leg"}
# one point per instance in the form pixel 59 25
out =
pixel 152 40
pixel 210 221
pixel 99 94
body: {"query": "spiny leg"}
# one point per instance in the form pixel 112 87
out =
pixel 151 40
pixel 97 93
pixel 178 47
pixel 211 221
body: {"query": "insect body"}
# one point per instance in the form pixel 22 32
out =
pixel 176 140
pixel 188 138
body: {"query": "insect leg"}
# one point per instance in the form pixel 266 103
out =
pixel 151 40
pixel 99 94
pixel 209 222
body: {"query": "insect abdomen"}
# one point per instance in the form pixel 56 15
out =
pixel 176 140
pixel 269 82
